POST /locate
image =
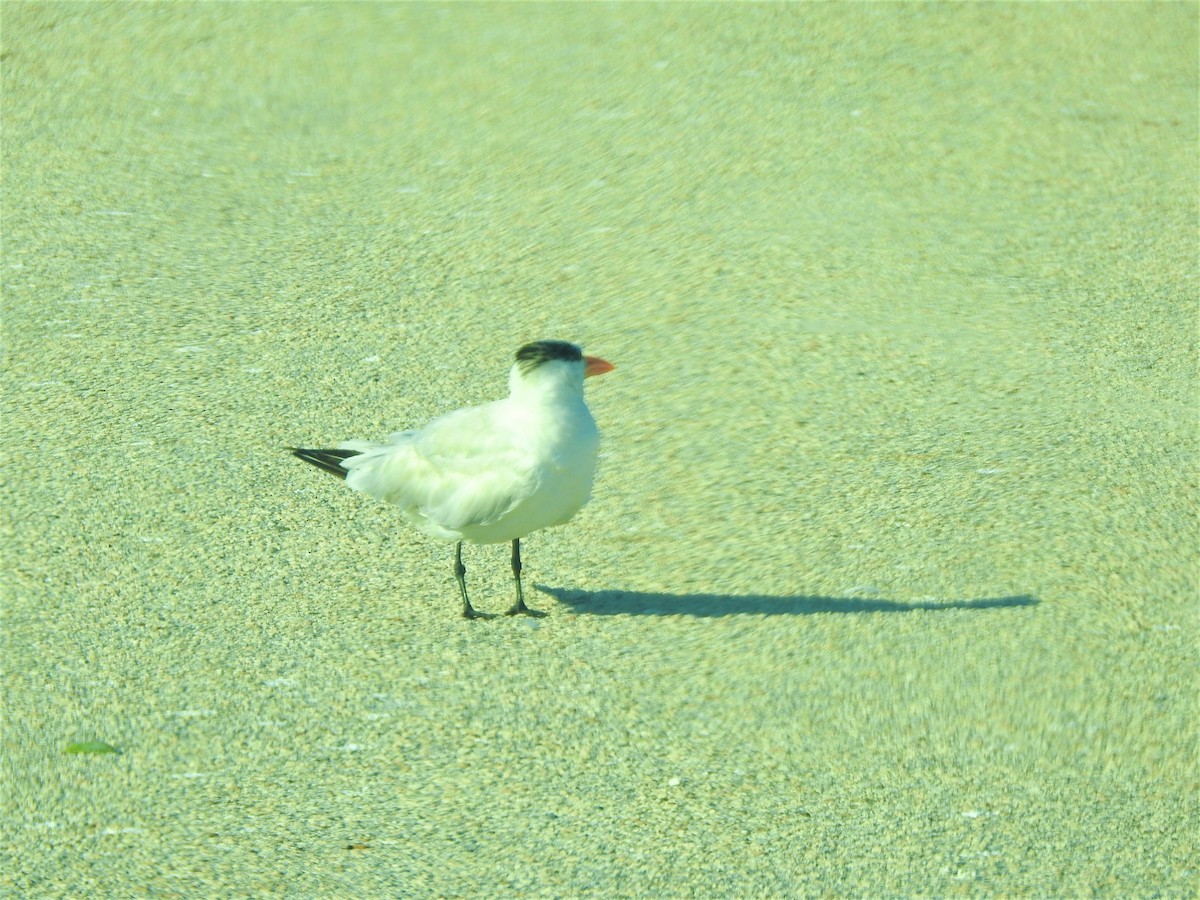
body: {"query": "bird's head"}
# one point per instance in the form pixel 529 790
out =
pixel 546 362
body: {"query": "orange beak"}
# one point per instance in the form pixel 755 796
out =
pixel 594 365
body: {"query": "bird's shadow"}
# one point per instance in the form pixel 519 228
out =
pixel 636 603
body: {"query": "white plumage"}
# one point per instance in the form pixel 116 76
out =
pixel 489 473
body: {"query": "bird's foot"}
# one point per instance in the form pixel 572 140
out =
pixel 472 613
pixel 520 609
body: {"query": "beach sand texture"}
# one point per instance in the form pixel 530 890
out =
pixel 888 586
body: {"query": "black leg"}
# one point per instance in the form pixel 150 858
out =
pixel 519 608
pixel 459 572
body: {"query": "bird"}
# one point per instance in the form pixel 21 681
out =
pixel 491 473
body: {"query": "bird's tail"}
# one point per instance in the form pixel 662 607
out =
pixel 329 460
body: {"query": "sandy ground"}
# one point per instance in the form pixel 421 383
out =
pixel 888 587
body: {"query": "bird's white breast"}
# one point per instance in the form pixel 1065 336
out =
pixel 561 464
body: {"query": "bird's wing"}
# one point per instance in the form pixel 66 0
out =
pixel 459 470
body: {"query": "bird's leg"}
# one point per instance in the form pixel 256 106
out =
pixel 519 608
pixel 459 571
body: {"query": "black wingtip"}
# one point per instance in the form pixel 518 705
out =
pixel 328 460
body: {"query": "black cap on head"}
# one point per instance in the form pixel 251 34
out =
pixel 533 355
